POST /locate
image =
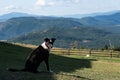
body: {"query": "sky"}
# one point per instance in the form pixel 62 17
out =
pixel 58 7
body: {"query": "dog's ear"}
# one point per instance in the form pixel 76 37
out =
pixel 46 39
pixel 52 40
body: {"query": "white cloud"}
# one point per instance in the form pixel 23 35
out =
pixel 43 3
pixel 76 1
pixel 9 7
pixel 51 3
pixel 40 3
pixel 67 1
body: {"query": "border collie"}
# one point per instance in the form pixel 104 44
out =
pixel 40 54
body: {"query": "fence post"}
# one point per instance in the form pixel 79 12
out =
pixel 69 51
pixel 90 52
pixel 111 53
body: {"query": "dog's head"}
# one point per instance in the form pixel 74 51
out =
pixel 49 42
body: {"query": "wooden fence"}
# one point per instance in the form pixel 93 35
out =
pixel 81 52
pixel 86 52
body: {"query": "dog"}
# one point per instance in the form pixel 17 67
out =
pixel 40 54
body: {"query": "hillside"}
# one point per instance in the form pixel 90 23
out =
pixel 103 20
pixel 85 31
pixel 109 22
pixel 24 25
pixel 68 37
pixel 65 67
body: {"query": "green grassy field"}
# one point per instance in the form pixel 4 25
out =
pixel 73 67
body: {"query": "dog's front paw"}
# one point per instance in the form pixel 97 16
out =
pixel 50 71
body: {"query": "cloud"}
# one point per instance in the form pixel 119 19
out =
pixel 9 8
pixel 45 3
pixel 40 3
pixel 51 3
pixel 67 1
pixel 76 1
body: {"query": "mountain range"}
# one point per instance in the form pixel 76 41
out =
pixel 24 25
pixel 91 14
pixel 90 30
pixel 19 14
pixel 87 37
pixel 12 15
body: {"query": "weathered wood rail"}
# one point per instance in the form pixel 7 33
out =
pixel 86 52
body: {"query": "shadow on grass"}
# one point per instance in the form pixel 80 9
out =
pixel 60 65
pixel 66 64
pixel 16 59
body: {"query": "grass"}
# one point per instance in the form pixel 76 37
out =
pixel 102 69
pixel 67 67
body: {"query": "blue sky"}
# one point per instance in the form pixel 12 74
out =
pixel 58 7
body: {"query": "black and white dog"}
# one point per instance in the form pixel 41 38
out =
pixel 37 56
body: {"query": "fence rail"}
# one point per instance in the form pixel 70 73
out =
pixel 86 52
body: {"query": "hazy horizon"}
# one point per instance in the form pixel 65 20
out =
pixel 58 7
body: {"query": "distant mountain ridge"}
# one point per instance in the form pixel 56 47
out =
pixel 20 14
pixel 91 14
pixel 24 25
pixel 103 20
pixel 17 26
pixel 86 37
pixel 13 15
